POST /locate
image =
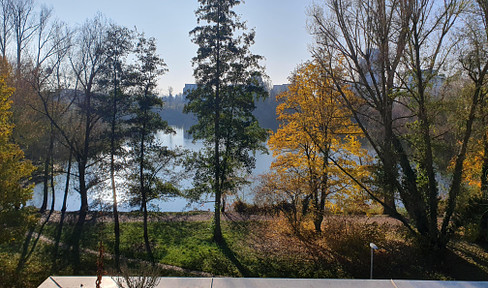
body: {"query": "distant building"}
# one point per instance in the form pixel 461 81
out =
pixel 436 81
pixel 277 89
pixel 188 88
pixel 370 66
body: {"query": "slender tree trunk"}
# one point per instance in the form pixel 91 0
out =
pixel 59 229
pixel 143 194
pixel 112 176
pixel 146 233
pixel 51 149
pixel 17 71
pixel 26 252
pixel 78 230
pixel 45 183
pixel 82 165
pixel 217 231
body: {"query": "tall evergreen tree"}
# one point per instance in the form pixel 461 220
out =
pixel 228 82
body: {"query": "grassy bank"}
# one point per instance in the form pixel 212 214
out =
pixel 261 247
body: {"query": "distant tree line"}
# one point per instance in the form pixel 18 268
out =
pixel 264 112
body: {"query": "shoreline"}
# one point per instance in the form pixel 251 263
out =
pixel 199 216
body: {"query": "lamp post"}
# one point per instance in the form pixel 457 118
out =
pixel 373 247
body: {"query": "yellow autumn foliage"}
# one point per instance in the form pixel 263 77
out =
pixel 316 127
pixel 14 169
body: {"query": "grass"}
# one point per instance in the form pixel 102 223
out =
pixel 266 248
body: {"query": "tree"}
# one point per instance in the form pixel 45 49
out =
pixel 227 76
pixel 472 51
pixel 87 61
pixel 118 45
pixel 52 44
pixel 146 122
pixel 410 37
pixel 315 132
pixel 23 25
pixel 370 39
pixel 5 25
pixel 14 169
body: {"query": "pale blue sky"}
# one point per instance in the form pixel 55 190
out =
pixel 281 33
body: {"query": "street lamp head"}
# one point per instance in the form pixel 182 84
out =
pixel 373 247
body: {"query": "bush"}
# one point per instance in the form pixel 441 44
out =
pixel 240 207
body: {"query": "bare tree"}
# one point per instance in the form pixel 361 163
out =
pixel 51 43
pixel 370 37
pixel 5 25
pixel 394 52
pixel 24 25
pixel 87 61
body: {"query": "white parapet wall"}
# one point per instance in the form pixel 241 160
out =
pixel 108 282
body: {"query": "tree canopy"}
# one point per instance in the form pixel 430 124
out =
pixel 15 170
pixel 316 132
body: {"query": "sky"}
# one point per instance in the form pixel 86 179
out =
pixel 280 25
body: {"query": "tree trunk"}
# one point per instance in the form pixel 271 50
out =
pixel 51 148
pixel 389 184
pixel 388 161
pixel 112 176
pixel 78 230
pixel 317 220
pixel 63 214
pixel 46 185
pixel 217 231
pixel 116 220
pixel 143 194
pixel 222 209
pixel 146 233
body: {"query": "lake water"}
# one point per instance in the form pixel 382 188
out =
pixel 263 162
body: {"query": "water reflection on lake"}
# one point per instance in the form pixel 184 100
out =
pixel 179 139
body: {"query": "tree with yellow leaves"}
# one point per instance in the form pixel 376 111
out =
pixel 316 143
pixel 14 170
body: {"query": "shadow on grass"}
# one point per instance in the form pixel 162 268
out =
pixel 227 251
pixel 468 267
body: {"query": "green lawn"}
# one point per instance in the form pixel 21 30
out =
pixel 264 248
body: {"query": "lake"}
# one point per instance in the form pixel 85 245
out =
pixel 178 204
